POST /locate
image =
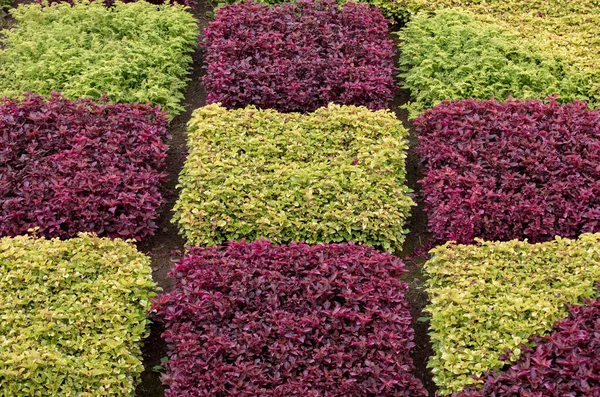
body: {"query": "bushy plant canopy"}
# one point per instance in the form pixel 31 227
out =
pixel 299 56
pixel 493 296
pixel 79 166
pixel 135 52
pixel 452 55
pixel 73 315
pixel 261 320
pixel 510 170
pixel 334 175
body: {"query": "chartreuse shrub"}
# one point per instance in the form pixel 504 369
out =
pixel 334 175
pixel 73 314
pixel 564 363
pixel 453 55
pixel 258 319
pixel 136 52
pixel 493 296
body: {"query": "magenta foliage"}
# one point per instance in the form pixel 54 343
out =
pixel 299 56
pixel 73 166
pixel 256 319
pixel 513 170
pixel 563 364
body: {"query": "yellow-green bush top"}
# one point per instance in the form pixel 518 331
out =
pixel 72 316
pixel 134 52
pixel 334 175
pixel 492 296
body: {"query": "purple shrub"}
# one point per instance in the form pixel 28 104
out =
pixel 299 56
pixel 510 170
pixel 563 364
pixel 257 319
pixel 78 166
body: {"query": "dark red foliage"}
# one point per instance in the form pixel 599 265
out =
pixel 513 170
pixel 563 364
pixel 256 319
pixel 189 3
pixel 79 166
pixel 299 56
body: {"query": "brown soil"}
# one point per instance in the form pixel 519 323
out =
pixel 167 243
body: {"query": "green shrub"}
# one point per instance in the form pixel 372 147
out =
pixel 136 52
pixel 452 55
pixel 72 315
pixel 493 296
pixel 333 175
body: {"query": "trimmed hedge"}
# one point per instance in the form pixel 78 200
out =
pixel 256 319
pixel 514 170
pixel 452 55
pixel 565 363
pixel 290 177
pixel 322 53
pixel 136 52
pixel 73 315
pixel 493 296
pixel 78 166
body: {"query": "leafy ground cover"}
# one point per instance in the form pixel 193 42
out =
pixel 334 175
pixel 454 55
pixel 257 319
pixel 73 166
pixel 135 52
pixel 510 170
pixel 299 56
pixel 489 298
pixel 73 314
pixel 564 363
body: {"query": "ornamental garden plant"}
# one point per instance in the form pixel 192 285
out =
pixel 299 56
pixel 564 363
pixel 135 52
pixel 491 297
pixel 72 166
pixel 334 175
pixel 258 319
pixel 73 315
pixel 510 170
pixel 453 55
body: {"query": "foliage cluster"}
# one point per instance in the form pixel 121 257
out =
pixel 79 166
pixel 257 319
pixel 73 313
pixel 135 52
pixel 291 177
pixel 565 363
pixel 452 55
pixel 189 3
pixel 492 297
pixel 510 170
pixel 299 56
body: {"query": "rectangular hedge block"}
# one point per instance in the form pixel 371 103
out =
pixel 334 175
pixel 299 56
pixel 72 316
pixel 135 52
pixel 454 55
pixel 261 320
pixel 78 166
pixel 514 170
pixel 490 297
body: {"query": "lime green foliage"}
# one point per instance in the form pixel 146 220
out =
pixel 135 52
pixel 452 55
pixel 72 315
pixel 333 175
pixel 490 297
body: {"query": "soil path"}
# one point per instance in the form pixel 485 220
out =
pixel 167 242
